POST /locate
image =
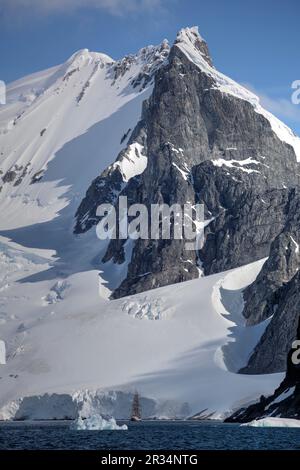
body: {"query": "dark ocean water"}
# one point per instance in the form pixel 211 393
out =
pixel 147 435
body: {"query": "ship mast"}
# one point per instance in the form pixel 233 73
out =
pixel 136 410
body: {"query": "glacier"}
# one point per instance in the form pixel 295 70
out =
pixel 61 357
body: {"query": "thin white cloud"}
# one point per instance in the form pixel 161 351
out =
pixel 281 107
pixel 46 7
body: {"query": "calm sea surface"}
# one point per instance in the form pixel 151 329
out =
pixel 147 435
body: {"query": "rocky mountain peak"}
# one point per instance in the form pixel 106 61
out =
pixel 191 40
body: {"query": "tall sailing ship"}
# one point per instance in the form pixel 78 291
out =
pixel 136 409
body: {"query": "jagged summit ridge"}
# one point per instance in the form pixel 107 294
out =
pixel 191 33
pixel 190 38
pixel 195 49
pixel 143 65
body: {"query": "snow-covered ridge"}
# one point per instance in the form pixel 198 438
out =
pixel 189 35
pixel 85 57
pixel 57 119
pixel 142 65
pixel 187 40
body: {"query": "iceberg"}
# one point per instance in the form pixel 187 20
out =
pixel 274 423
pixel 97 423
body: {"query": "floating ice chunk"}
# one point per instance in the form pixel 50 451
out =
pixel 274 423
pixel 97 423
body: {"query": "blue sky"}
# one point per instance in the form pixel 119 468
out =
pixel 256 43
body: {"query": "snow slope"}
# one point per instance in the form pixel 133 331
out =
pixel 81 342
pixel 66 125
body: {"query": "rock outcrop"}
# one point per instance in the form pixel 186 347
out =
pixel 285 402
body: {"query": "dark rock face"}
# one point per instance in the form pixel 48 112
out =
pixel 104 188
pixel 285 402
pixel 274 293
pixel 243 231
pixel 187 125
pixel 206 146
pixel 281 266
pixel 271 352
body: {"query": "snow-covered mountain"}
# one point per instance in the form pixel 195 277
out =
pixel 54 116
pixel 159 126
